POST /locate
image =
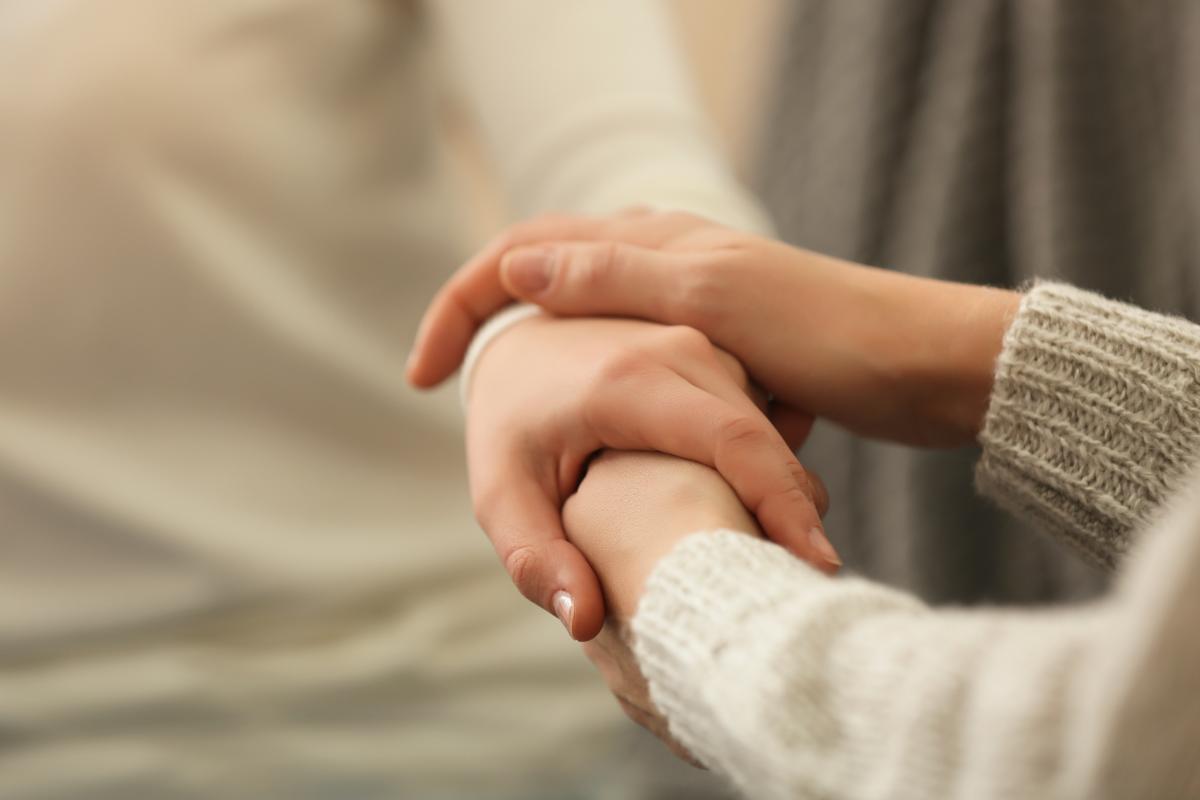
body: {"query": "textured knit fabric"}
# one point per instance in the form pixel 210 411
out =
pixel 237 558
pixel 987 141
pixel 797 685
pixel 1094 417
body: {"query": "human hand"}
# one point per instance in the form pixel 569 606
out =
pixel 631 510
pixel 475 292
pixel 883 354
pixel 549 393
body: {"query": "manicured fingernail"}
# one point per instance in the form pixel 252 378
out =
pixel 824 549
pixel 529 269
pixel 564 607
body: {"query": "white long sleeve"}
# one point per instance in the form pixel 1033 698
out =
pixel 587 107
pixel 797 685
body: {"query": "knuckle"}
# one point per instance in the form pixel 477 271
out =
pixel 793 493
pixel 592 267
pixel 617 371
pixel 701 299
pixel 604 402
pixel 685 339
pixel 811 492
pixel 739 432
pixel 620 367
pixel 799 473
pixel 521 562
pixel 593 408
pixel 737 372
pixel 820 494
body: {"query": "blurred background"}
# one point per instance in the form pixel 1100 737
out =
pixel 730 52
pixel 237 553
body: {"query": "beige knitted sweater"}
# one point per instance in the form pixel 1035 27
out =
pixel 793 684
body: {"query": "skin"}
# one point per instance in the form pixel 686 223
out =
pixel 630 511
pixel 549 393
pixel 883 354
pixel 887 355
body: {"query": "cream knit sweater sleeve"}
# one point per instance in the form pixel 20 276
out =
pixel 796 685
pixel 588 108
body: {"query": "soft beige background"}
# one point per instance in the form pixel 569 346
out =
pixel 731 46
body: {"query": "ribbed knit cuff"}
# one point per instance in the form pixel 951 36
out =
pixel 491 330
pixel 696 600
pixel 1094 418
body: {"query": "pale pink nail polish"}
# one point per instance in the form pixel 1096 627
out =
pixel 564 607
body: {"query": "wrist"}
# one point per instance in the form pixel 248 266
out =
pixel 633 508
pixel 499 324
pixel 949 359
pixel 626 582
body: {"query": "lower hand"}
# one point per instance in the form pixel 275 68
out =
pixel 630 511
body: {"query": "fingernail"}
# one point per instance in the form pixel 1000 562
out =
pixel 529 269
pixel 564 607
pixel 824 549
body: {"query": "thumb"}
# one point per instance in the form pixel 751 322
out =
pixel 525 528
pixel 596 279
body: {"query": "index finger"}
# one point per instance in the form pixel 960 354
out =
pixel 677 417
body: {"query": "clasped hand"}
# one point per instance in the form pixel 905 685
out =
pixel 883 354
pixel 549 393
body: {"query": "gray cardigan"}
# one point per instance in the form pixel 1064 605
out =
pixel 985 141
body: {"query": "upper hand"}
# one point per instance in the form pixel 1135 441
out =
pixel 884 354
pixel 548 393
pixel 476 291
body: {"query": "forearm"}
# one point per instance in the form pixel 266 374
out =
pixel 1088 410
pixel 643 492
